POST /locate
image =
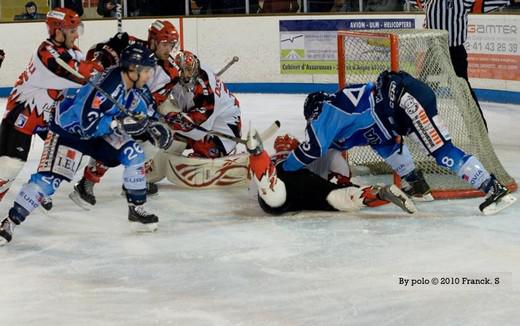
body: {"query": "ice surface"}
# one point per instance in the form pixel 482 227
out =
pixel 217 259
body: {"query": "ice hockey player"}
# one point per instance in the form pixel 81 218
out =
pixel 374 114
pixel 162 39
pixel 211 106
pixel 200 99
pixel 91 123
pixel 38 89
pixel 281 191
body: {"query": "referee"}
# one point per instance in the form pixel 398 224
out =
pixel 452 15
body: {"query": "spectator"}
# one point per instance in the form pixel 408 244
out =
pixel 76 5
pixel 279 6
pixel 219 7
pixel 172 8
pixel 2 57
pixel 31 12
pixel 321 5
pixel 107 8
pixel 202 7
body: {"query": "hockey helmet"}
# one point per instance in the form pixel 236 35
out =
pixel 188 64
pixel 313 103
pixel 63 18
pixel 138 56
pixel 162 31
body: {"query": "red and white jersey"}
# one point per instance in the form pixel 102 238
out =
pixel 166 76
pixel 211 98
pixel 214 108
pixel 40 86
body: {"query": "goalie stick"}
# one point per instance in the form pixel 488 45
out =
pixel 227 66
pixel 264 135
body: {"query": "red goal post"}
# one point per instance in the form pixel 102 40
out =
pixel 362 55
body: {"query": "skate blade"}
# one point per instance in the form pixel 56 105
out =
pixel 76 198
pixel 405 203
pixel 425 198
pixel 3 241
pixel 504 202
pixel 140 227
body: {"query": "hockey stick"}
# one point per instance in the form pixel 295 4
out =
pixel 75 73
pixel 71 70
pixel 227 66
pixel 264 135
pixel 119 16
pixel 267 133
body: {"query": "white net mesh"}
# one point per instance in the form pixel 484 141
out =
pixel 425 55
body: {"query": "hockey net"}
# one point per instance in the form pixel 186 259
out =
pixel 424 54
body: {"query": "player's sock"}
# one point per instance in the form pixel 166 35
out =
pixel 83 194
pixel 94 171
pixel 498 197
pixel 17 214
pixel 270 188
pixel 416 187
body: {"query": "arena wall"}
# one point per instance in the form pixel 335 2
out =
pixel 254 39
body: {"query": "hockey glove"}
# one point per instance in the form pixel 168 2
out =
pixel 130 126
pixel 160 135
pixel 179 121
pixel 2 56
pixel 87 68
pixel 118 42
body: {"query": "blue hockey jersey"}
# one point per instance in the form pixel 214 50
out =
pixel 349 119
pixel 87 113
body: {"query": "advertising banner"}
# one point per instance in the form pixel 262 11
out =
pixel 493 47
pixel 309 46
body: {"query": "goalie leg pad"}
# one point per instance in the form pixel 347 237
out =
pixel 196 172
pixel 11 167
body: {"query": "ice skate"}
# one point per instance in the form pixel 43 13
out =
pixel 393 194
pixel 497 199
pixel 6 231
pixel 46 203
pixel 416 187
pixel 83 194
pixel 141 220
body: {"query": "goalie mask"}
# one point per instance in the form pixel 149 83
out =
pixel 189 65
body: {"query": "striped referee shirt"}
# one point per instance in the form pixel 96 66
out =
pixel 452 15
